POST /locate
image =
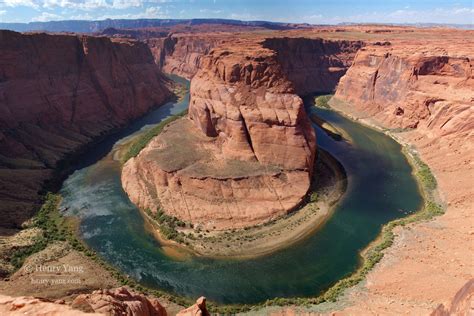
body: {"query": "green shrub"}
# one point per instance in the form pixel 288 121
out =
pixel 144 139
pixel 322 100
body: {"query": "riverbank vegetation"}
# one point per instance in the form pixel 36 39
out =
pixel 144 139
pixel 322 101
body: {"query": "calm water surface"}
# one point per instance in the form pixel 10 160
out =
pixel 380 188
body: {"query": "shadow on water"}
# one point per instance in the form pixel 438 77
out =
pixel 380 184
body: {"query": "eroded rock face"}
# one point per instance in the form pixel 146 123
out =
pixel 111 302
pixel 198 309
pixel 244 155
pixel 119 301
pixel 58 93
pixel 314 65
pixel 180 54
pixel 12 306
pixel 461 303
pixel 410 87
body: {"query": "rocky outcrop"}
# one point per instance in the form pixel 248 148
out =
pixel 421 87
pixel 461 303
pixel 244 155
pixel 313 65
pixel 119 301
pixel 407 87
pixel 13 306
pixel 58 93
pixel 198 309
pixel 113 302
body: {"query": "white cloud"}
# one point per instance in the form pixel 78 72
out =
pixel 84 16
pixel 78 4
pixel 244 16
pixel 454 15
pixel 45 16
pixel 21 3
pixel 155 12
pixel 210 11
pixel 2 12
pixel 124 4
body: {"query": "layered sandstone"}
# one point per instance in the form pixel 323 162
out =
pixel 313 65
pixel 421 87
pixel 243 156
pixel 19 306
pixel 180 54
pixel 408 86
pixel 119 301
pixel 58 93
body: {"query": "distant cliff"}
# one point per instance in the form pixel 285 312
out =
pixel 58 93
pixel 314 65
pixel 407 86
pixel 181 54
pixel 84 26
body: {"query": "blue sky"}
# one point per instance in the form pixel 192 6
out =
pixel 316 12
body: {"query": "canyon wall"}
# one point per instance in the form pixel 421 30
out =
pixel 422 88
pixel 243 156
pixel 313 65
pixel 406 87
pixel 58 93
pixel 180 54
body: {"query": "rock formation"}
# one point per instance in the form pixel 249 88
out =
pixel 462 303
pixel 421 86
pixel 408 87
pixel 58 93
pixel 244 155
pixel 19 306
pixel 180 54
pixel 118 302
pixel 113 302
pixel 198 309
pixel 313 65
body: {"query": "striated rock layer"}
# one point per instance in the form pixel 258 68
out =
pixel 313 65
pixel 244 155
pixel 423 89
pixel 58 93
pixel 119 301
pixel 408 87
pixel 180 54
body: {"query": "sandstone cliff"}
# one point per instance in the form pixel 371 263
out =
pixel 421 87
pixel 58 93
pixel 244 155
pixel 313 65
pixel 112 302
pixel 409 87
pixel 180 54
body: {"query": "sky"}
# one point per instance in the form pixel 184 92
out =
pixel 297 11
